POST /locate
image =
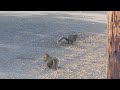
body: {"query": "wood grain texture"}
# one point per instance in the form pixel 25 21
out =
pixel 113 45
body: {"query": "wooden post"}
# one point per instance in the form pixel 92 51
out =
pixel 113 45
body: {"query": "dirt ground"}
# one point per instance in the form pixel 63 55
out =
pixel 26 36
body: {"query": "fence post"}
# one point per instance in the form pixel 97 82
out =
pixel 113 45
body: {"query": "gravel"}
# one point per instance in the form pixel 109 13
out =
pixel 25 36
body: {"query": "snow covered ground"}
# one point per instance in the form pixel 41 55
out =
pixel 25 36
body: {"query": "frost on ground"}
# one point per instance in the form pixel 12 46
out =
pixel 26 36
